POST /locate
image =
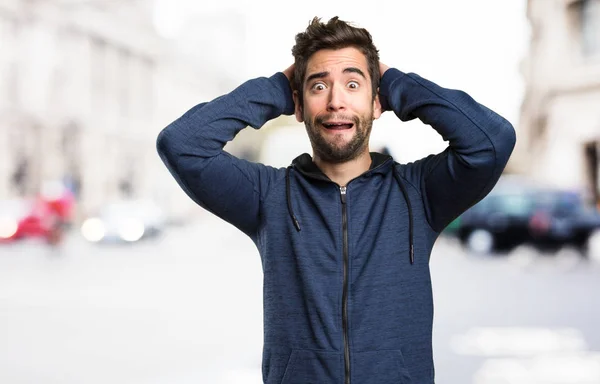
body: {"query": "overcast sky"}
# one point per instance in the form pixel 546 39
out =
pixel 472 45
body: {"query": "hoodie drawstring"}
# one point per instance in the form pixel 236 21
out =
pixel 289 199
pixel 410 215
pixel 404 193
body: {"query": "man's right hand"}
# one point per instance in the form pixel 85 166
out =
pixel 382 69
pixel 289 73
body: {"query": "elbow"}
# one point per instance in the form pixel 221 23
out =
pixel 505 142
pixel 165 149
pixel 496 150
pixel 162 142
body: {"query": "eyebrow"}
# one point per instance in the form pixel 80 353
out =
pixel 320 75
pixel 355 70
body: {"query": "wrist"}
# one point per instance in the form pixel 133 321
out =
pixel 285 87
pixel 386 85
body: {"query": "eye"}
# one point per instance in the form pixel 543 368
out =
pixel 318 87
pixel 353 85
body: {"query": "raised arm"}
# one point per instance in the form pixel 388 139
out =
pixel 480 143
pixel 192 149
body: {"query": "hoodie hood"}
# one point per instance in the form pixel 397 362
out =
pixel 304 163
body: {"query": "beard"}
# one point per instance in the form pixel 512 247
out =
pixel 333 148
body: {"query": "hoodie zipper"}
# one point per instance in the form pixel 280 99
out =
pixel 345 287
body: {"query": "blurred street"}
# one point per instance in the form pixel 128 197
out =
pixel 87 86
pixel 187 308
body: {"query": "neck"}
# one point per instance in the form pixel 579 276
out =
pixel 342 173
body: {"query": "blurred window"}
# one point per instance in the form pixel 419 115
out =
pixel 98 75
pixel 590 27
pixel 516 204
pixel 9 69
pixel 148 81
pixel 483 205
pixel 511 204
pixel 560 203
pixel 20 175
pixel 125 62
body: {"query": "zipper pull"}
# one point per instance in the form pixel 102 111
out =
pixel 343 194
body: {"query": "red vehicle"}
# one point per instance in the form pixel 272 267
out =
pixel 44 217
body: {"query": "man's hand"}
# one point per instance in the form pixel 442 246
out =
pixel 382 69
pixel 289 73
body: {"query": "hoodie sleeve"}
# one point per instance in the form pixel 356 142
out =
pixel 480 144
pixel 192 149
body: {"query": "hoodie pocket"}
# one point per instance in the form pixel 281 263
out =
pixel 381 367
pixel 313 367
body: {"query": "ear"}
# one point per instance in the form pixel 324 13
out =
pixel 298 108
pixel 377 107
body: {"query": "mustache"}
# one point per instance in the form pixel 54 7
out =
pixel 323 118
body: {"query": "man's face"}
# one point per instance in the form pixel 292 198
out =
pixel 338 106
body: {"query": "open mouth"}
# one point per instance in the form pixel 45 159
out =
pixel 336 126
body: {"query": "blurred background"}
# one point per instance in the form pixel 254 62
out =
pixel 110 273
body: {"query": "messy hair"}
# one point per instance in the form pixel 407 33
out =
pixel 335 34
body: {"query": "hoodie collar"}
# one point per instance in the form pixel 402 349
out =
pixel 304 163
pixel 379 164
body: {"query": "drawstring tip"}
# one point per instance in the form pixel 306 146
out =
pixel 412 254
pixel 289 199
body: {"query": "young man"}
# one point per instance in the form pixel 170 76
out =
pixel 344 236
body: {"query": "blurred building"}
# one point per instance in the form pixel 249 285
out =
pixel 85 87
pixel 560 115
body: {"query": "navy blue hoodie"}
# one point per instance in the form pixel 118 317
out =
pixel 347 288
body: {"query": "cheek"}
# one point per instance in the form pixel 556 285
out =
pixel 359 102
pixel 366 105
pixel 312 108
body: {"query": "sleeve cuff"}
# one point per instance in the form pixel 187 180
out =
pixel 385 86
pixel 284 86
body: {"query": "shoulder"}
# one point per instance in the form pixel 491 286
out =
pixel 414 172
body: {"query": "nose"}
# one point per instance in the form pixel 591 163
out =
pixel 336 100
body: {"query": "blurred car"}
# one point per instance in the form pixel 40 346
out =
pixel 125 221
pixel 518 211
pixel 500 221
pixel 60 200
pixel 23 218
pixel 563 218
pixel 12 213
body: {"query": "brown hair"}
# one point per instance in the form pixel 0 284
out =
pixel 335 34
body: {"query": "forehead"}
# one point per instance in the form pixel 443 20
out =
pixel 334 60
